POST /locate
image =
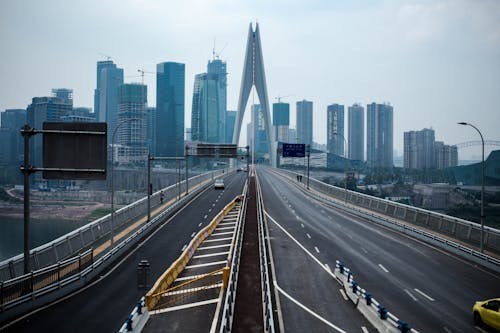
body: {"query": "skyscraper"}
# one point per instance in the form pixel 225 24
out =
pixel 281 121
pixel 419 149
pixel 207 122
pixel 170 80
pixel 65 94
pixel 356 135
pixel 132 135
pixel 305 122
pixel 379 135
pixel 109 77
pixel 230 119
pixel 217 69
pixel 335 129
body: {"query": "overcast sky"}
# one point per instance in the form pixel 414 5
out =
pixel 437 62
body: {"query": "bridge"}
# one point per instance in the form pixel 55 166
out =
pixel 267 253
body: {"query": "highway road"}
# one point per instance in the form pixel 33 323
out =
pixel 431 289
pixel 105 305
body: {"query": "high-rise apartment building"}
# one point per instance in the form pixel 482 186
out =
pixel 419 149
pixel 335 129
pixel 151 129
pixel 356 133
pixel 170 81
pixel 379 135
pixel 305 122
pixel 207 122
pixel 109 78
pixel 446 155
pixel 292 138
pixel 132 134
pixel 63 93
pixel 281 121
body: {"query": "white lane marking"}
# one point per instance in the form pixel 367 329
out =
pixel 328 268
pixel 205 216
pixel 213 247
pixel 383 268
pixel 411 295
pixel 301 246
pixel 316 248
pixel 207 264
pixel 349 235
pixel 210 210
pixel 183 248
pixel 446 329
pixel 364 250
pixel 199 225
pixel 364 329
pixel 480 329
pixel 210 255
pixel 213 205
pixel 308 236
pixel 425 295
pixel 308 310
pixel 302 225
pixel 216 200
pixel 192 235
pixel 185 306
pixel 342 292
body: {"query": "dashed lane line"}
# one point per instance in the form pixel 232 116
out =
pixel 424 294
pixel 383 268
pixel 364 329
pixel 411 295
pixel 308 236
pixel 316 248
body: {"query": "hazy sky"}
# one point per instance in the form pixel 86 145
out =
pixel 437 62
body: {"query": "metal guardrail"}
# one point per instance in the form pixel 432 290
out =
pixel 137 318
pixel 226 321
pixel 376 313
pixel 267 305
pixel 463 230
pixel 93 233
pixel 33 285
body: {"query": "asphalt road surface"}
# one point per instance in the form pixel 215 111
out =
pixel 105 306
pixel 427 287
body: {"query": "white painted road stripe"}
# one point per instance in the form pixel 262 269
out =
pixel 218 239
pixel 425 295
pixel 308 236
pixel 316 248
pixel 194 233
pixel 364 329
pixel 222 233
pixel 199 225
pixel 185 306
pixel 300 245
pixel 207 264
pixel 192 277
pixel 343 294
pixel 328 268
pixel 308 310
pixel 205 216
pixel 411 295
pixel 302 225
pixel 184 247
pixel 213 247
pixel 364 250
pixel 383 268
pixel 210 255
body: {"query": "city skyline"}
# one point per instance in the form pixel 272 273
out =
pixel 433 61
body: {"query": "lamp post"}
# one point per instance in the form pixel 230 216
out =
pixel 345 166
pixel 112 175
pixel 481 244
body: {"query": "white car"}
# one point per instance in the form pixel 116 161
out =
pixel 219 183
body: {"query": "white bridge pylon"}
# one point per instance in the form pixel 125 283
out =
pixel 254 75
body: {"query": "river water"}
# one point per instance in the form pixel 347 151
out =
pixel 41 232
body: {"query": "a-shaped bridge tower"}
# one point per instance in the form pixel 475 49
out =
pixel 254 75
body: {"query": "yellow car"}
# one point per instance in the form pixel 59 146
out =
pixel 487 312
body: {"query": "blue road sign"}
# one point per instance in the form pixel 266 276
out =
pixel 294 150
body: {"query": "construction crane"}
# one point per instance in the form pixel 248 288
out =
pixel 142 71
pixel 279 97
pixel 216 55
pixel 108 58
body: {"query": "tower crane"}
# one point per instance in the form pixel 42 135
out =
pixel 142 71
pixel 108 57
pixel 279 97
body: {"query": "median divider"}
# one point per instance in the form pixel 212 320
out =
pixel 373 311
pixel 169 276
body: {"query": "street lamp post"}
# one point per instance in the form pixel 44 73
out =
pixel 112 175
pixel 345 166
pixel 481 244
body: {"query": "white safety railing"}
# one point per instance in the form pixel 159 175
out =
pixel 373 311
pixel 94 233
